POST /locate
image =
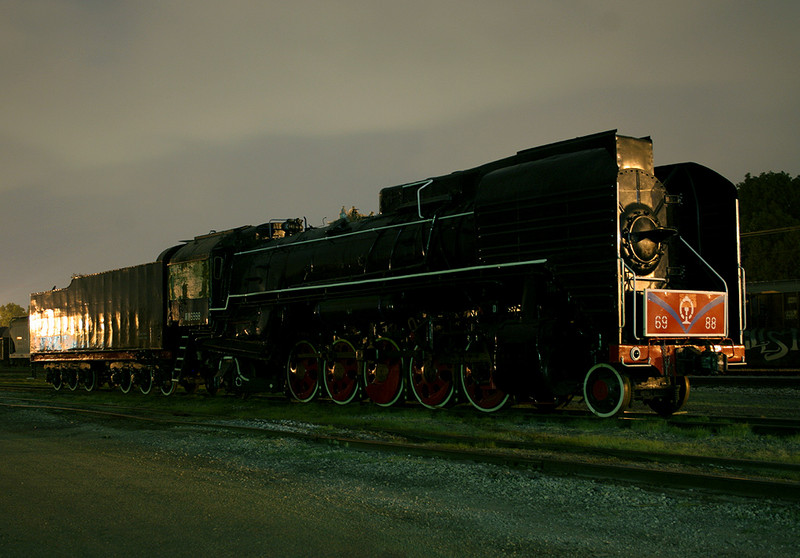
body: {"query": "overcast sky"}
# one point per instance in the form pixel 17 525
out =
pixel 126 127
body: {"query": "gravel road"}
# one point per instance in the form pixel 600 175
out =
pixel 69 487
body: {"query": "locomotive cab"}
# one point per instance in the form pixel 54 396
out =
pixel 195 273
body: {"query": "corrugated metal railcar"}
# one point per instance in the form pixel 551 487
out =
pixel 104 327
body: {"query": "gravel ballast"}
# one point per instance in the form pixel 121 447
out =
pixel 109 488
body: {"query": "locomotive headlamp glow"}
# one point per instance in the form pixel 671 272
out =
pixel 636 353
pixel 643 238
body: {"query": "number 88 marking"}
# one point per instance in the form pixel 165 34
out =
pixel 711 322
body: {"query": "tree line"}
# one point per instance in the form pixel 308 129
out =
pixel 769 223
pixel 10 311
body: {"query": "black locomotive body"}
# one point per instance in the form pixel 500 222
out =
pixel 573 268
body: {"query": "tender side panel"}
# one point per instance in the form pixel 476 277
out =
pixel 117 310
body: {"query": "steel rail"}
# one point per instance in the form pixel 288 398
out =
pixel 757 424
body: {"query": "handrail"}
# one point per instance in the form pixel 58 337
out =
pixel 742 299
pixel 714 271
pixel 724 283
pixel 622 305
pixel 425 184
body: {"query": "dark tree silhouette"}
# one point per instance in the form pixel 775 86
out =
pixel 769 206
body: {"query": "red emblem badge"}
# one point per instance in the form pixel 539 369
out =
pixel 685 313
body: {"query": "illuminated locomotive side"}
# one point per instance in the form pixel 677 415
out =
pixel 554 272
pixel 576 268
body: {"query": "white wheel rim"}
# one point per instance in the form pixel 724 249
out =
pixel 289 373
pixel 589 397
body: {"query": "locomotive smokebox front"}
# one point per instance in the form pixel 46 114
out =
pixel 642 208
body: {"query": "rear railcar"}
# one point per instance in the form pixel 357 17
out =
pixel 19 342
pixel 773 324
pixel 5 345
pixel 107 327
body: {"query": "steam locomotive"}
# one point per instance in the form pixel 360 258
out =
pixel 576 268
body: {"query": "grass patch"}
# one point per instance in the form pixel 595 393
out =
pixel 740 430
pixel 650 426
pixel 492 430
pixel 694 432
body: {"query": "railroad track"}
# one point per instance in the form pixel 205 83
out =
pixel 754 380
pixel 738 477
pixel 761 425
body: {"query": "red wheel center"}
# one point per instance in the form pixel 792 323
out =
pixel 600 390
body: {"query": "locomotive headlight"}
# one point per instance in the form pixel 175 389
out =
pixel 643 238
pixel 639 237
